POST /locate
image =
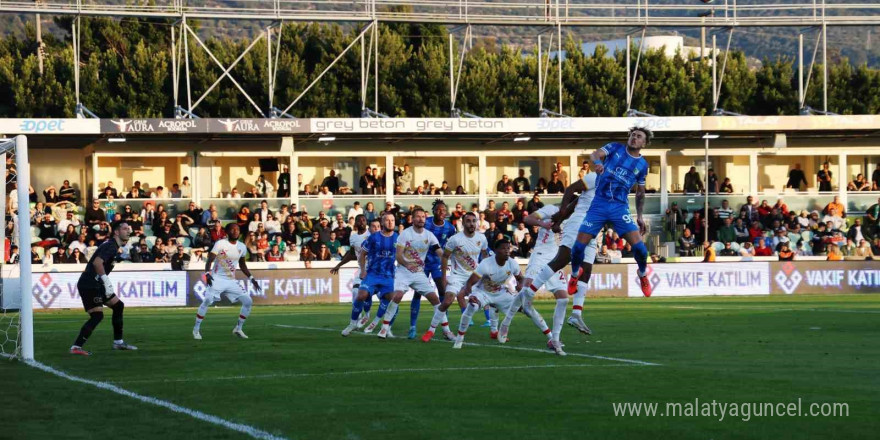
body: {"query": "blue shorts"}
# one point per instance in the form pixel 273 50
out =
pixel 377 285
pixel 603 211
pixel 434 271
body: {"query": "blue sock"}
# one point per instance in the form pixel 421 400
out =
pixel 487 315
pixel 356 307
pixel 383 305
pixel 640 252
pixel 577 256
pixel 414 308
pixel 368 304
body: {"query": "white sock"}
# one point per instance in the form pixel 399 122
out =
pixel 353 323
pixel 466 318
pixel 437 319
pixel 514 307
pixel 536 317
pixel 118 341
pixel 389 314
pixel 445 321
pixel 493 319
pixel 559 317
pixel 578 299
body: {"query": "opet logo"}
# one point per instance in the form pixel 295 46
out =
pixel 41 125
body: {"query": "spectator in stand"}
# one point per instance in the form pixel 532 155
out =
pixel 334 246
pixel 697 225
pixel 67 193
pixel 725 211
pixel 563 175
pixel 175 192
pixel 202 239
pixel 785 253
pixel 51 196
pixel 535 204
pixel 252 193
pixel 491 213
pixel 292 253
pixel 284 183
pixel 331 182
pixel 764 209
pixel 370 212
pixel 859 184
pixel 264 187
pixel 761 250
pixel 834 253
pixel 872 215
pixel 483 223
pixel 779 239
pixel 262 213
pixel 804 219
pixel 796 177
pixel 323 253
pixel 742 231
pixel 823 178
pixel 159 193
pixel 821 240
pixel 262 245
pixel 69 235
pixel 273 227
pixel 243 218
pixel 802 250
pixel 727 251
pixel 726 233
pixel 726 186
pixel 692 182
pixel 781 207
pixel 501 187
pixel 519 212
pixel 521 184
pixel 274 254
pixel 686 244
pixel 673 218
pixel 459 191
pixel 555 186
pixel 355 210
pixel 864 250
pixel 70 220
pixel 405 179
pixel 314 244
pixel 180 259
pixel 94 214
pixel 750 209
pixel 854 232
pixel 520 232
pixel 75 256
pixel 109 207
pixel 367 184
pixel 712 182
pixel 217 232
pixel 378 182
pixel 307 256
pixel 541 187
pixel 836 221
pixel 109 190
pixel 235 195
pixel 504 217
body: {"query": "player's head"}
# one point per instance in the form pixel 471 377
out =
pixel 388 220
pixel 122 230
pixel 469 221
pixel 418 217
pixel 502 248
pixel 233 231
pixel 360 222
pixel 375 226
pixel 439 209
pixel 639 137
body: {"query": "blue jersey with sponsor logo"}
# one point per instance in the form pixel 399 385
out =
pixel 622 171
pixel 381 252
pixel 443 233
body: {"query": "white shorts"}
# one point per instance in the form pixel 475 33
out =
pixel 419 282
pixel 454 283
pixel 501 300
pixel 559 280
pixel 224 286
pixel 570 229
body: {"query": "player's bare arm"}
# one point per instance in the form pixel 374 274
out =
pixel 242 264
pixel 211 257
pixel 640 208
pixel 596 158
pixel 444 263
pixel 349 256
pixel 466 289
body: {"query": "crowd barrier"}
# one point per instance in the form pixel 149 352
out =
pixel 155 285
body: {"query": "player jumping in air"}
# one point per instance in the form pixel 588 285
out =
pixel 96 291
pixel 619 167
pixel 546 245
pixel 573 211
pixel 413 245
pixel 485 287
pixel 354 253
pixel 465 249
pixel 227 255
pixel 442 229
pixel 379 258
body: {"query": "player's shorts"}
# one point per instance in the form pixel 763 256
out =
pixel 434 272
pixel 356 280
pixel 92 295
pixel 570 228
pixel 501 300
pixel 377 285
pixel 454 283
pixel 559 280
pixel 603 211
pixel 419 282
pixel 224 286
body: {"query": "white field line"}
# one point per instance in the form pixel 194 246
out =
pixel 356 372
pixel 774 309
pixel 507 347
pixel 239 427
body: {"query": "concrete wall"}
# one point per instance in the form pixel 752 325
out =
pixel 52 166
pixel 151 171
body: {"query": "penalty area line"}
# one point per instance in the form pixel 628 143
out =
pixel 506 347
pixel 214 420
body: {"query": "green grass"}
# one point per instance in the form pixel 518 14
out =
pixel 313 384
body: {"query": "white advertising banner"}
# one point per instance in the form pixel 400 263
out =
pixel 702 279
pixel 137 289
pixel 50 126
pixel 500 125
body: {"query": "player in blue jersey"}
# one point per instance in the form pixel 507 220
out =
pixel 620 167
pixel 443 230
pixel 380 254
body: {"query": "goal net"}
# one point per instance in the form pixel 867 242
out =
pixel 16 313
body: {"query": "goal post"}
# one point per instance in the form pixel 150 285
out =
pixel 16 298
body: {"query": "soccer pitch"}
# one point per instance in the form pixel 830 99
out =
pixel 297 378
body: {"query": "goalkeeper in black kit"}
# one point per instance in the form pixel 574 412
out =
pixel 97 291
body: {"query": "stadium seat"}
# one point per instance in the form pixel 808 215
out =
pixel 193 231
pixel 133 240
pixel 184 241
pixel 151 241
